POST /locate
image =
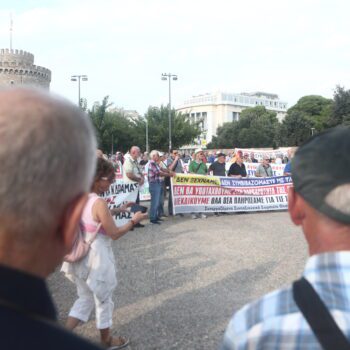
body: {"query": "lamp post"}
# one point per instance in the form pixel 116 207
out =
pixel 169 76
pixel 78 78
pixel 147 145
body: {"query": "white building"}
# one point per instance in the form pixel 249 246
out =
pixel 218 108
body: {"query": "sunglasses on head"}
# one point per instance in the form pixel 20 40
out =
pixel 110 178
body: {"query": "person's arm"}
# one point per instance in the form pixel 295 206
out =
pixel 244 171
pixel 258 171
pixel 174 163
pixel 122 209
pixel 101 213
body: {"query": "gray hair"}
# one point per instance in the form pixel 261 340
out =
pixel 47 158
pixel 153 153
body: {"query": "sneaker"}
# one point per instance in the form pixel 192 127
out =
pixel 155 222
pixel 139 225
pixel 194 216
pixel 203 216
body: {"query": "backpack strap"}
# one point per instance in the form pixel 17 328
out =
pixel 318 317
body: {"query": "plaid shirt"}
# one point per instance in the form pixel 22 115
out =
pixel 153 172
pixel 275 322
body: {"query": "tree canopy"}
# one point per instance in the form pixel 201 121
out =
pixel 116 131
pixel 256 127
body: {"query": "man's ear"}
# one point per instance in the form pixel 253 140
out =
pixel 72 216
pixel 295 207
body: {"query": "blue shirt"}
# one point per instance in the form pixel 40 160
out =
pixel 275 322
pixel 288 168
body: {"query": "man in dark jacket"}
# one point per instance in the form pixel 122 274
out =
pixel 47 159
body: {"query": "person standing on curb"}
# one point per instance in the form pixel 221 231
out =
pixel 197 166
pixel 133 172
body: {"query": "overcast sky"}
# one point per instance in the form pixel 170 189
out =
pixel 292 48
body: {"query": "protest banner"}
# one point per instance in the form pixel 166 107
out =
pixel 261 153
pixel 118 194
pixel 277 169
pixel 198 193
pixel 144 189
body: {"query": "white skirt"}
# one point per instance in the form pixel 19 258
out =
pixel 98 268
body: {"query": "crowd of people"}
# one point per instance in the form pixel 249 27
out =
pixel 161 166
pixel 50 184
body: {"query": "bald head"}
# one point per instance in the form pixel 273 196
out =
pixel 135 152
pixel 47 158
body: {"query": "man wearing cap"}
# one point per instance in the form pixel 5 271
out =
pixel 264 169
pixel 219 167
pixel 320 204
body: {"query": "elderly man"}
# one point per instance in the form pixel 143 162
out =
pixel 47 158
pixel 133 172
pixel 155 185
pixel 302 315
pixel 219 166
pixel 264 169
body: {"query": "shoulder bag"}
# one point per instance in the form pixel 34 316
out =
pixel 80 247
pixel 318 317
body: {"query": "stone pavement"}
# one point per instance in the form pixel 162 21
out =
pixel 179 282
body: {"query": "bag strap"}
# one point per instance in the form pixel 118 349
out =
pixel 94 235
pixel 318 317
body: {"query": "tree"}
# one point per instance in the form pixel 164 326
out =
pixel 113 129
pixel 316 109
pixel 295 129
pixel 340 113
pixel 183 132
pixel 256 127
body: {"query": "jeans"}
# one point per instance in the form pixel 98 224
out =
pixel 155 190
pixel 161 200
pixel 170 202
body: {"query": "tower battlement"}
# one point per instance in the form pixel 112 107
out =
pixel 17 68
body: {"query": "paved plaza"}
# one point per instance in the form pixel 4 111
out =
pixel 179 282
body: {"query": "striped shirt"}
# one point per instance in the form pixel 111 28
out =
pixel 275 322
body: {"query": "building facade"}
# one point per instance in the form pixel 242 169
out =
pixel 215 109
pixel 17 68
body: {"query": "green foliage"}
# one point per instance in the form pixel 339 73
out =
pixel 310 112
pixel 340 113
pixel 256 127
pixel 316 109
pixel 295 129
pixel 113 129
pixel 116 131
pixel 183 132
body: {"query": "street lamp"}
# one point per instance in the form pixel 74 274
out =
pixel 78 78
pixel 147 145
pixel 169 76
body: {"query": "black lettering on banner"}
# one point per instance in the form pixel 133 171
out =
pixel 216 200
pixel 227 200
pixel 269 200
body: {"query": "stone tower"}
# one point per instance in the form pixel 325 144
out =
pixel 17 68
